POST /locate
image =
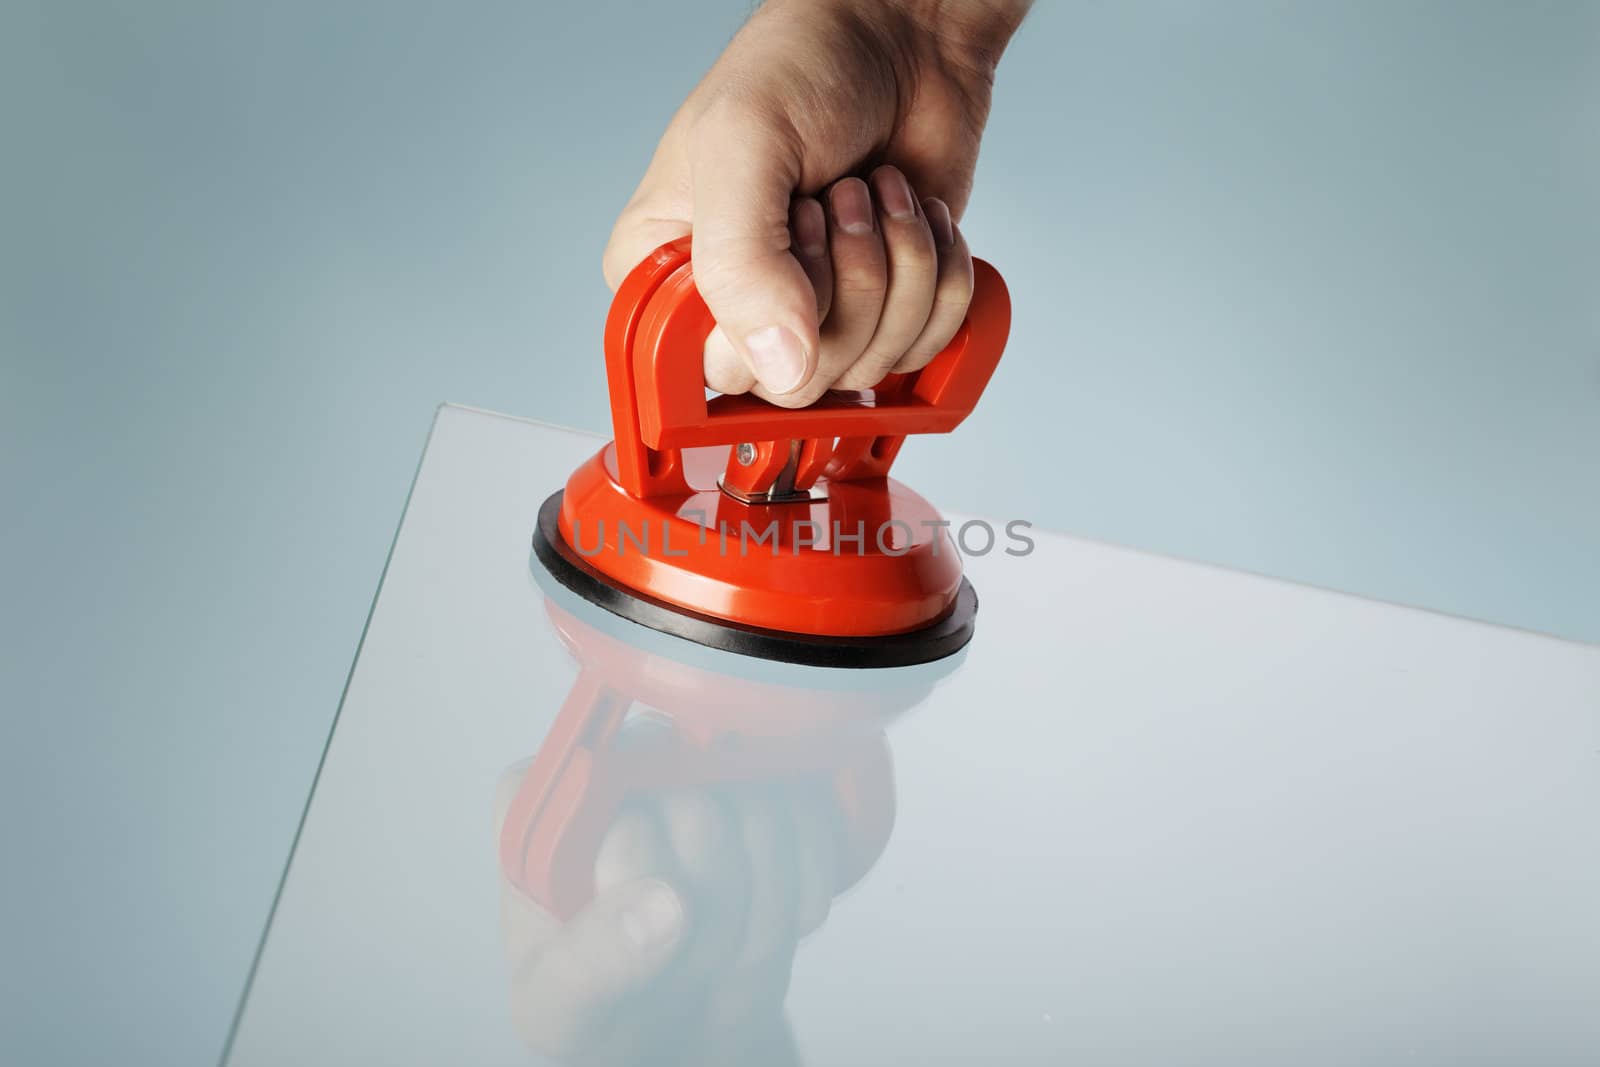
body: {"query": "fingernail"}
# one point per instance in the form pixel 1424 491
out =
pixel 895 194
pixel 852 206
pixel 777 358
pixel 938 212
pixel 810 229
pixel 655 919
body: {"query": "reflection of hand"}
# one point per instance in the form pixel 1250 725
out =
pixel 684 954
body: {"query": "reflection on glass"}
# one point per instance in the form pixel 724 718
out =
pixel 677 834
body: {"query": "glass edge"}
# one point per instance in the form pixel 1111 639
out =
pixel 322 758
pixel 1170 555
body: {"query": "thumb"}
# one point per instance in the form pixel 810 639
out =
pixel 743 171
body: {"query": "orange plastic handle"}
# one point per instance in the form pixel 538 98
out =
pixel 655 338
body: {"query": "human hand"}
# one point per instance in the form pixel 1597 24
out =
pixel 809 94
pixel 702 895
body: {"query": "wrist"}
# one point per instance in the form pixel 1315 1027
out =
pixel 973 33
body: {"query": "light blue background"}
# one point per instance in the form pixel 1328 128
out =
pixel 1307 289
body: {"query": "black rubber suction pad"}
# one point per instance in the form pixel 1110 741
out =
pixel 943 638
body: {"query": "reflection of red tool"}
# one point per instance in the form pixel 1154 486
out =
pixel 849 567
pixel 720 729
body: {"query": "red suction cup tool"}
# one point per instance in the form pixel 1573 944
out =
pixel 771 532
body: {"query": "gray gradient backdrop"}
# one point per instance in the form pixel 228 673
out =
pixel 1302 288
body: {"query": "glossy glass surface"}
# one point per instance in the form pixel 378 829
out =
pixel 1157 813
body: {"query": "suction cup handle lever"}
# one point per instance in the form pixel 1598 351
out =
pixel 655 339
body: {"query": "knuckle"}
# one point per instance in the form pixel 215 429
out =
pixel 724 284
pixel 920 356
pixel 937 336
pixel 728 110
pixel 868 370
pixel 857 378
pixel 913 242
pixel 860 280
pixel 957 280
pixel 713 274
pixel 912 233
pixel 954 292
pixel 741 117
pixel 915 252
pixel 916 275
pixel 913 258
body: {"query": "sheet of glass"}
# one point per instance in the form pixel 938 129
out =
pixel 1157 813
